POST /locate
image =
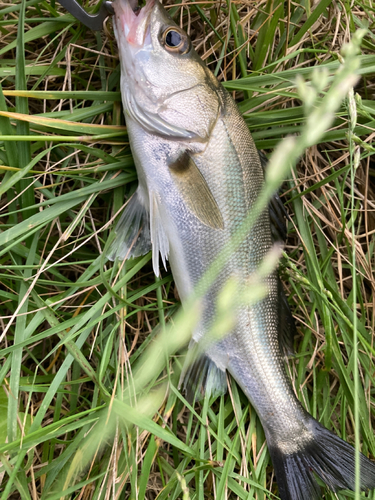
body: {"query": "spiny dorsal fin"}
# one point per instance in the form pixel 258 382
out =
pixel 195 191
pixel 276 209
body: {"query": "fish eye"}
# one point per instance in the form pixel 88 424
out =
pixel 175 40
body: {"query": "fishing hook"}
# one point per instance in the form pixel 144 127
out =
pixel 92 21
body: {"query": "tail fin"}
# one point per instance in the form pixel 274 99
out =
pixel 326 455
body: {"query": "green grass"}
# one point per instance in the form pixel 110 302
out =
pixel 90 356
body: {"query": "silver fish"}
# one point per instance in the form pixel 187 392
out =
pixel 199 176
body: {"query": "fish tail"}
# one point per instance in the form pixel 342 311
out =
pixel 326 455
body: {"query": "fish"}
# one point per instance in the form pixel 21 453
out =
pixel 199 175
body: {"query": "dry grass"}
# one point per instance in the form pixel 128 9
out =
pixel 73 326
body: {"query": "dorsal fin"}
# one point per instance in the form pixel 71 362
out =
pixel 287 326
pixel 195 191
pixel 276 209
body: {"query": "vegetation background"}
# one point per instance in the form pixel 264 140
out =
pixel 73 325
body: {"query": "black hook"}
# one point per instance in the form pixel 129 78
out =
pixel 95 21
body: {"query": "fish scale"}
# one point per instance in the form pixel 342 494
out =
pixel 199 177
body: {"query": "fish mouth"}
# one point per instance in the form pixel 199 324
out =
pixel 133 20
pixel 135 7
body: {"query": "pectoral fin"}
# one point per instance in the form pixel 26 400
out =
pixel 195 191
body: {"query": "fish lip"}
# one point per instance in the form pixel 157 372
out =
pixel 132 20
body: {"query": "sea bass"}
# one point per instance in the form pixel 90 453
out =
pixel 199 176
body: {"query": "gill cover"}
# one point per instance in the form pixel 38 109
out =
pixel 165 86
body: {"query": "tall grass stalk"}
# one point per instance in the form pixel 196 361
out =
pixel 91 352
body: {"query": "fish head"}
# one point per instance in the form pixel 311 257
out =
pixel 165 86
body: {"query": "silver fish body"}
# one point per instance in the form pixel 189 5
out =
pixel 199 176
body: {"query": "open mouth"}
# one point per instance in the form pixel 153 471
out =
pixel 133 19
pixel 136 8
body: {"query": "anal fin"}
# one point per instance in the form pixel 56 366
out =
pixel 202 377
